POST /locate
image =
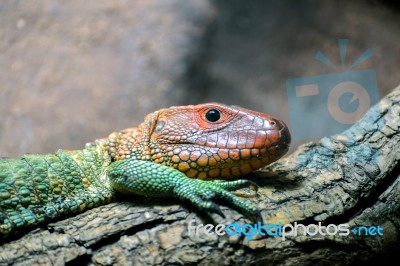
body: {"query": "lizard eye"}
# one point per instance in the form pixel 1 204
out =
pixel 160 125
pixel 213 115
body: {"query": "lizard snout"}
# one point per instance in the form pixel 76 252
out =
pixel 285 137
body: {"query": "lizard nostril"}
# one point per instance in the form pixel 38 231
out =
pixel 278 124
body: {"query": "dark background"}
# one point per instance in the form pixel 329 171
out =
pixel 74 71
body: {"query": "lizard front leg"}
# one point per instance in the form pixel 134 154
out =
pixel 155 180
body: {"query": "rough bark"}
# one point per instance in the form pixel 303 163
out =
pixel 348 178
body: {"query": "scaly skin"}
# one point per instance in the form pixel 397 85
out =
pixel 173 153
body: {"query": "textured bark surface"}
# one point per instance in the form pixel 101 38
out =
pixel 349 178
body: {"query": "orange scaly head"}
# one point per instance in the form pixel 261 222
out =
pixel 205 141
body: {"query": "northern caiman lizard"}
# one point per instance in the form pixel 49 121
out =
pixel 175 152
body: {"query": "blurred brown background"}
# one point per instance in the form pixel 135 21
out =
pixel 73 71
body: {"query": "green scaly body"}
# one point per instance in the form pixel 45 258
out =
pixel 170 154
pixel 38 188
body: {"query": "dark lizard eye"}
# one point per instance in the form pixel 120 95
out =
pixel 213 115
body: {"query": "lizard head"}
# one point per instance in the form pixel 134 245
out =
pixel 205 141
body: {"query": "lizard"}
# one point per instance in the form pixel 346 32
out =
pixel 181 151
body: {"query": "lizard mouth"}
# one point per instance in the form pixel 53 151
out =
pixel 229 155
pixel 275 133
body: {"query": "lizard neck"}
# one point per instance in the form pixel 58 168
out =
pixel 132 143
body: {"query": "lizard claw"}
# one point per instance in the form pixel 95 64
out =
pixel 211 206
pixel 202 193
